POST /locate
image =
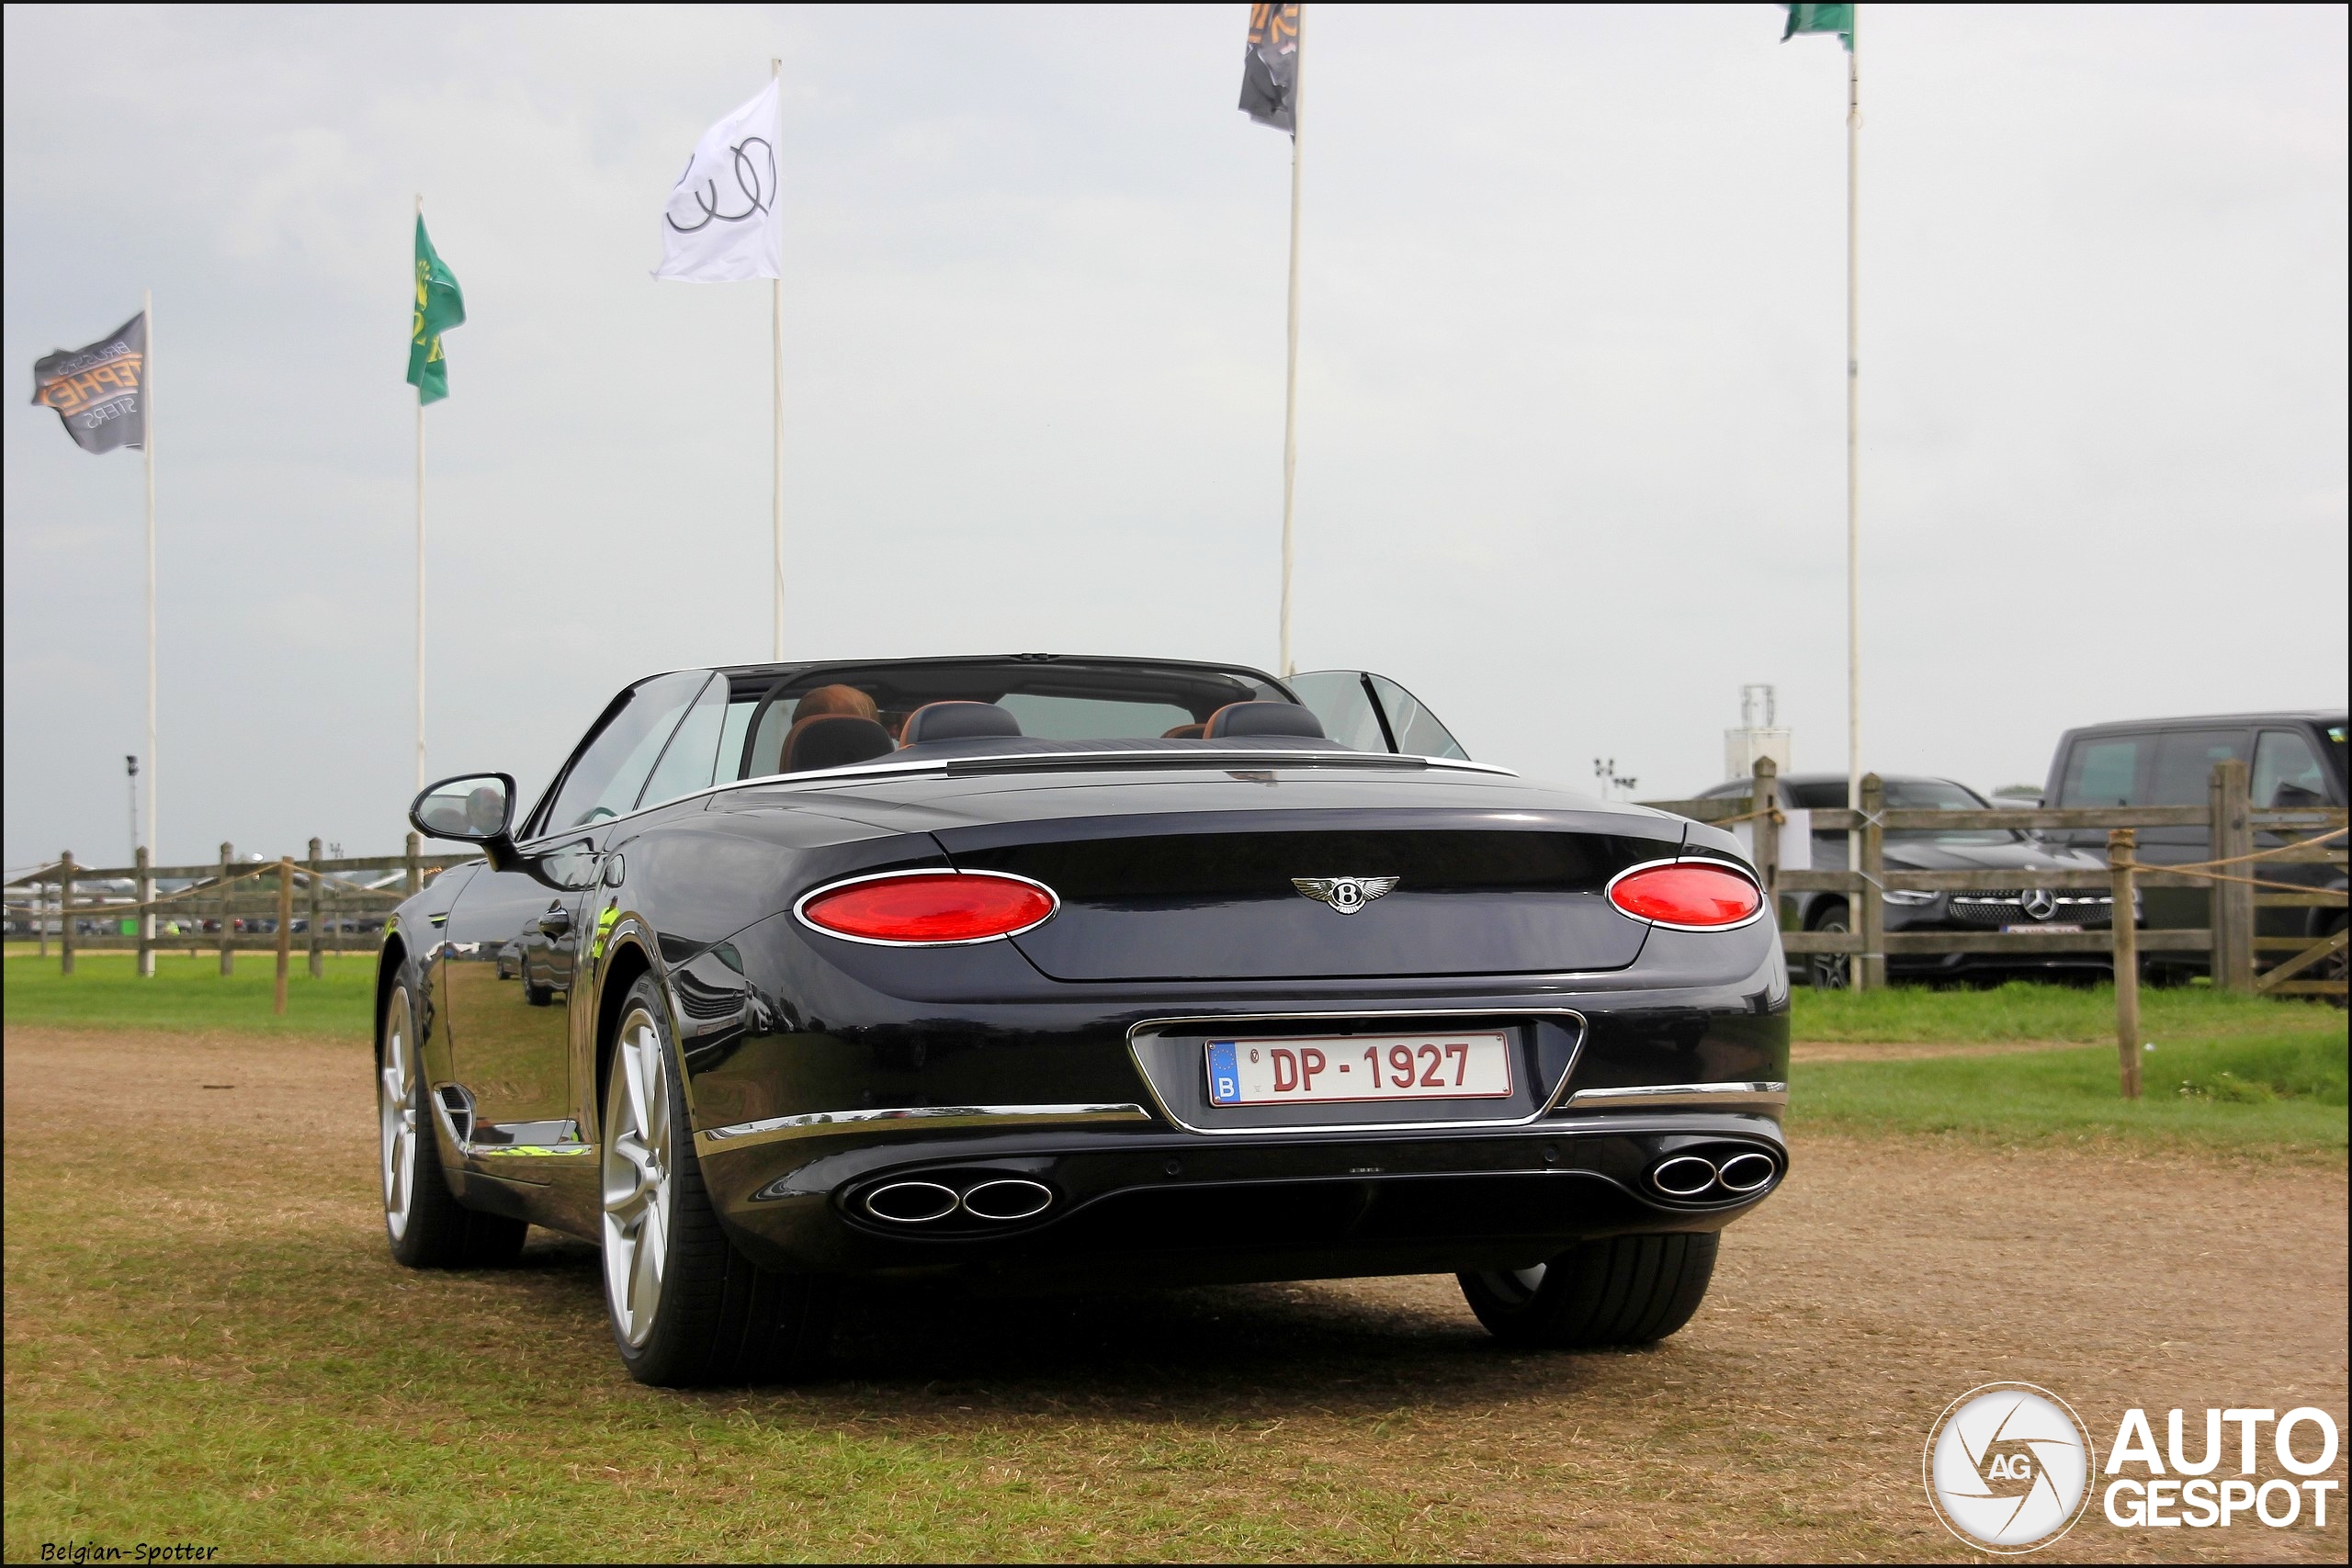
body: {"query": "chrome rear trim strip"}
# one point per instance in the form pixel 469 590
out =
pixel 817 1122
pixel 1679 1097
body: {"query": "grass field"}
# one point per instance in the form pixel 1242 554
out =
pixel 207 1344
pixel 190 993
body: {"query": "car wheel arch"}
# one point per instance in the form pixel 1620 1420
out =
pixel 625 959
pixel 390 961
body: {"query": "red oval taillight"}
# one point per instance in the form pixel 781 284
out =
pixel 920 907
pixel 1689 894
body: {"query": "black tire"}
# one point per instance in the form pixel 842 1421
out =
pixel 425 1224
pixel 715 1316
pixel 1829 971
pixel 1629 1290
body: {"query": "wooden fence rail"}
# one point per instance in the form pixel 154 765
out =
pixel 228 906
pixel 2233 872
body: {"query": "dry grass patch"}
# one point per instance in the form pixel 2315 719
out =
pixel 206 1341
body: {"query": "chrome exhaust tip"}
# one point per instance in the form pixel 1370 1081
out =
pixel 1685 1175
pixel 912 1203
pixel 1746 1172
pixel 1008 1198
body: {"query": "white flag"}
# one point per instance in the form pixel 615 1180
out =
pixel 721 224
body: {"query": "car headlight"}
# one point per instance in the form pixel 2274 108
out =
pixel 1909 896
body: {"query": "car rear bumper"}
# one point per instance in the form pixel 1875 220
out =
pixel 1151 1204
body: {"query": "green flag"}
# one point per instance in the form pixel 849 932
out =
pixel 1838 19
pixel 440 306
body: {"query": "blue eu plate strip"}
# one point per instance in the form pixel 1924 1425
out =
pixel 1225 1082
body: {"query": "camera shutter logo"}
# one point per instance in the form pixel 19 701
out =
pixel 2008 1467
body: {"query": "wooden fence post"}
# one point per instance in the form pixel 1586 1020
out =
pixel 285 929
pixel 318 953
pixel 2126 936
pixel 1870 973
pixel 146 916
pixel 228 920
pixel 1764 798
pixel 415 864
pixel 2233 902
pixel 65 912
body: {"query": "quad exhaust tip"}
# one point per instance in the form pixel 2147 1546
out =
pixel 1000 1199
pixel 1694 1176
pixel 912 1203
pixel 1008 1198
pixel 1685 1175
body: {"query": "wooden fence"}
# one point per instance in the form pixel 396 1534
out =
pixel 2241 959
pixel 225 908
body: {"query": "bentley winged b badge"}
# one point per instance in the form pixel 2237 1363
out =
pixel 1345 894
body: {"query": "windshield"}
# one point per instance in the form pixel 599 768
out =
pixel 1050 698
pixel 1916 795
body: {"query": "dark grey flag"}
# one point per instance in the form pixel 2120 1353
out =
pixel 1269 66
pixel 99 391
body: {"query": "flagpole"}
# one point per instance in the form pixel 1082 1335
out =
pixel 419 563
pixel 147 409
pixel 1289 380
pixel 775 365
pixel 1863 973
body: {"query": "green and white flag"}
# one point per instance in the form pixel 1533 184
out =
pixel 440 306
pixel 1838 19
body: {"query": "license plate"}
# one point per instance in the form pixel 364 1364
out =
pixel 1474 1065
pixel 2052 926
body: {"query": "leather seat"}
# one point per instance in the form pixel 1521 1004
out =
pixel 833 740
pixel 1238 719
pixel 958 721
pixel 1185 732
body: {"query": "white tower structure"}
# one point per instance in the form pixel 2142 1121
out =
pixel 1758 735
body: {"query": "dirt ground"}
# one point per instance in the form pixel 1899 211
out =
pixel 1885 1279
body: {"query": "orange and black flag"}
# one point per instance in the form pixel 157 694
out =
pixel 1270 67
pixel 99 391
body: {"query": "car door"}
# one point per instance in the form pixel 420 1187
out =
pixel 513 941
pixel 2288 773
pixel 1373 713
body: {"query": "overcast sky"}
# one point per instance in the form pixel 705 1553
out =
pixel 1571 454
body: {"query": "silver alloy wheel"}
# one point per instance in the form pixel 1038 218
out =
pixel 396 1111
pixel 1831 971
pixel 636 1171
pixel 1530 1279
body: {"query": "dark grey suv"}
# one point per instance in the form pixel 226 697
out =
pixel 2007 898
pixel 2292 759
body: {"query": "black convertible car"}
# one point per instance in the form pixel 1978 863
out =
pixel 1040 972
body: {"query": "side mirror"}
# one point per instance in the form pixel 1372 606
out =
pixel 473 808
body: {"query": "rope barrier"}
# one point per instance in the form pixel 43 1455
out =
pixel 215 888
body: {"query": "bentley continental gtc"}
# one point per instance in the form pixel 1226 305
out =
pixel 1036 973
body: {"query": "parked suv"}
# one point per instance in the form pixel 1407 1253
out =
pixel 2293 759
pixel 2006 900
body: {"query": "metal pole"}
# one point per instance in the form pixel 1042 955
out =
pixel 419 566
pixel 776 357
pixel 1289 380
pixel 1853 445
pixel 147 405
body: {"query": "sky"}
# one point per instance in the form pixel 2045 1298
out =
pixel 1571 408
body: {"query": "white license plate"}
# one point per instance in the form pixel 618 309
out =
pixel 1474 1065
pixel 2052 926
